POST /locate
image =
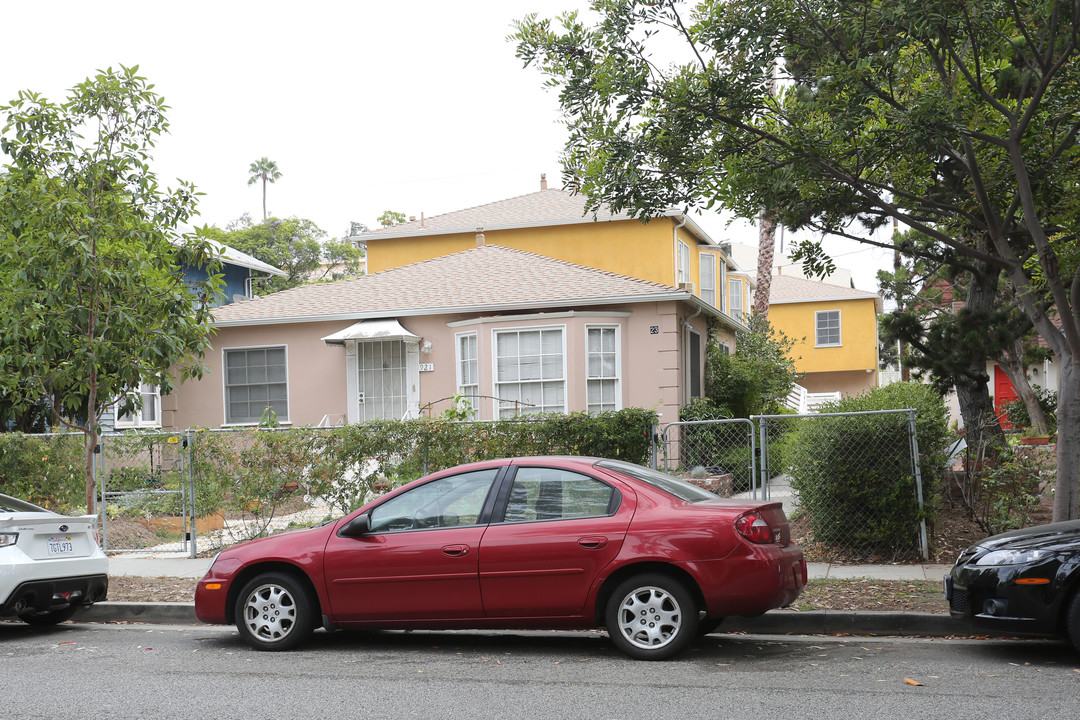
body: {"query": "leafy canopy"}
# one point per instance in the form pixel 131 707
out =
pixel 91 259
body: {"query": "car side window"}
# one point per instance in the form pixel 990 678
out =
pixel 551 494
pixel 446 502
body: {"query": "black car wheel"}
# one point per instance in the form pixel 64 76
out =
pixel 274 611
pixel 651 617
pixel 44 618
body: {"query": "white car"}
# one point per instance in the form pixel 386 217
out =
pixel 50 564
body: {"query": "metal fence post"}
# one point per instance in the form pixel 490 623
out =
pixel 189 471
pixel 924 545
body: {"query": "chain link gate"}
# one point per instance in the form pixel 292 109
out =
pixel 850 482
pixel 855 482
pixel 718 455
pixel 146 493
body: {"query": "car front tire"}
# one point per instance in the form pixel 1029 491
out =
pixel 274 611
pixel 651 617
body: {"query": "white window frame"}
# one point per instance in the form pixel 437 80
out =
pixel 225 383
pixel 471 390
pixel 498 385
pixel 602 380
pixel 682 272
pixel 736 298
pixel 151 393
pixel 708 289
pixel 829 328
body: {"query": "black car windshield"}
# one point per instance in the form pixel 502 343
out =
pixel 9 504
pixel 673 486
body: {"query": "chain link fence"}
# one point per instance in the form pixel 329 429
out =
pixel 718 455
pixel 145 493
pixel 852 482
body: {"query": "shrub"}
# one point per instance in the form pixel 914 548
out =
pixel 852 475
pixel 1017 414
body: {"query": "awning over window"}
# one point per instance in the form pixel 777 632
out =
pixel 371 330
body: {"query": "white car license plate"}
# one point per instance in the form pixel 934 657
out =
pixel 61 545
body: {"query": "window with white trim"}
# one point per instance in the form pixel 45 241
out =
pixel 827 327
pixel 683 271
pixel 602 368
pixel 149 415
pixel 468 370
pixel 530 371
pixel 256 379
pixel 707 271
pixel 735 298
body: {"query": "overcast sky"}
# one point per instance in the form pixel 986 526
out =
pixel 419 106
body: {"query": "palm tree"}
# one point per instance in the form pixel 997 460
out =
pixel 266 170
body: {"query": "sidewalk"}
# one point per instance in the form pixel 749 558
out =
pixel 162 565
pixel 777 622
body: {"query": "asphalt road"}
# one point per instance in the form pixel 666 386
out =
pixel 159 671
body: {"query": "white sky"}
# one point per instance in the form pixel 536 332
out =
pixel 417 106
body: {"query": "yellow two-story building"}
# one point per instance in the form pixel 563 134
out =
pixel 671 249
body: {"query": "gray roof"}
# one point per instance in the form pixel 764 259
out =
pixel 539 209
pixel 788 289
pixel 490 278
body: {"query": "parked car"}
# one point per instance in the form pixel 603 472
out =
pixel 1024 582
pixel 50 564
pixel 540 542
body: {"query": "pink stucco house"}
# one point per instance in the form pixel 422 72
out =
pixel 510 330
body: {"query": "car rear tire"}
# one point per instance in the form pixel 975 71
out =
pixel 45 618
pixel 274 611
pixel 651 617
pixel 1072 621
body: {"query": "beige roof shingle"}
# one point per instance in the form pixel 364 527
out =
pixel 788 289
pixel 539 208
pixel 489 278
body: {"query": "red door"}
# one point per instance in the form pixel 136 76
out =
pixel 545 569
pixel 421 574
pixel 1004 393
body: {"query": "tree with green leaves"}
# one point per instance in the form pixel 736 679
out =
pixel 296 245
pixel 95 299
pixel 758 376
pixel 265 170
pixel 391 217
pixel 955 117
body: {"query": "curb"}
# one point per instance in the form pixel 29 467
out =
pixel 777 622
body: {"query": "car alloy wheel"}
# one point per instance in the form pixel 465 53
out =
pixel 274 612
pixel 651 617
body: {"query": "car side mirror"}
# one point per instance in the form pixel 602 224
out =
pixel 359 525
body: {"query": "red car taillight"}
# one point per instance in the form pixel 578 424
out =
pixel 754 528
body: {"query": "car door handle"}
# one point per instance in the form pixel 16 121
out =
pixel 455 550
pixel 592 543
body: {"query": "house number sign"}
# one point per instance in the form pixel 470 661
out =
pixel 654 329
pixel 427 367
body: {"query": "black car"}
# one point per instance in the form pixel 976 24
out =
pixel 1024 582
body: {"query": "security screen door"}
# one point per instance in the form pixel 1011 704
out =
pixel 382 380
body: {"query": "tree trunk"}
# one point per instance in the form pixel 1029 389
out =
pixel 981 428
pixel 90 444
pixel 1067 488
pixel 766 251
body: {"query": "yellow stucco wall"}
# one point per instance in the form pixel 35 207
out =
pixel 627 247
pixel 858 335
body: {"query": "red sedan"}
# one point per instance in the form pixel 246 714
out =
pixel 536 542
